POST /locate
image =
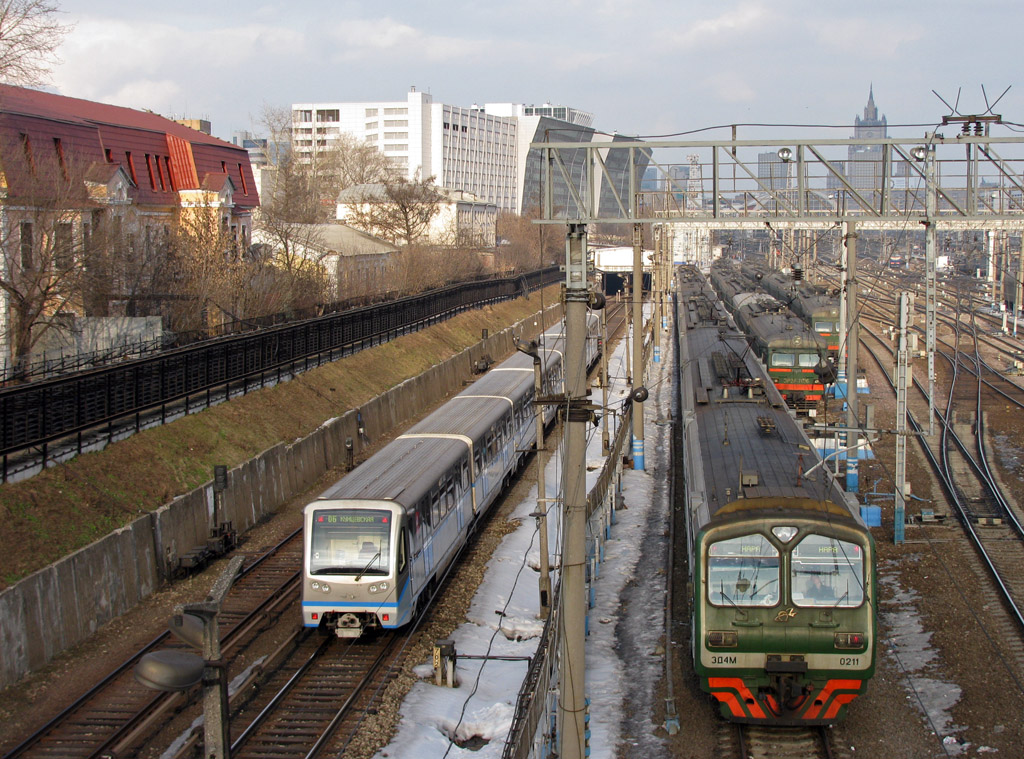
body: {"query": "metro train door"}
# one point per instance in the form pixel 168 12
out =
pixel 402 567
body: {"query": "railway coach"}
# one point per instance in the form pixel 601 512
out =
pixel 782 586
pixel 814 303
pixel 793 354
pixel 378 540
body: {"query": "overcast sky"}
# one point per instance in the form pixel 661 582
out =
pixel 643 67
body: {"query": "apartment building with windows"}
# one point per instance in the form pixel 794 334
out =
pixel 482 150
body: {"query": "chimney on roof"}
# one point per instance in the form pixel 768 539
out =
pixel 201 125
pixel 412 88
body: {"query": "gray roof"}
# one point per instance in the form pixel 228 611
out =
pixel 348 241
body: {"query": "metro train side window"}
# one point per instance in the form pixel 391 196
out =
pixel 400 557
pixel 743 571
pixel 435 507
pixel 827 572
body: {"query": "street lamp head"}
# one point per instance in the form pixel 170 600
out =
pixel 785 155
pixel 919 153
pixel 527 347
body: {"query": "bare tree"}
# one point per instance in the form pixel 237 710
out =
pixel 525 246
pixel 351 161
pixel 29 36
pixel 400 210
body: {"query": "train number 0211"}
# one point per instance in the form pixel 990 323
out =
pixel 849 661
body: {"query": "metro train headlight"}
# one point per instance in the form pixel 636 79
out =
pixel 315 585
pixel 325 588
pixel 723 639
pixel 378 587
pixel 851 640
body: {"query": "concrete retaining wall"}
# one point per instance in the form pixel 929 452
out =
pixel 66 602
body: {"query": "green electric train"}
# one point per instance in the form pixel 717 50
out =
pixel 782 566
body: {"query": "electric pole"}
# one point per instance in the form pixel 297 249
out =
pixel 572 640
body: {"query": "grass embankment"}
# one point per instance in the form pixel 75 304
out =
pixel 73 504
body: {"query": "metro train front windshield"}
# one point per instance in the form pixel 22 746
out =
pixel 350 542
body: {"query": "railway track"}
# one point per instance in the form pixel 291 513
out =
pixel 762 742
pixel 112 717
pixel 988 519
pixel 316 705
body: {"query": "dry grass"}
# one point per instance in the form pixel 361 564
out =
pixel 73 504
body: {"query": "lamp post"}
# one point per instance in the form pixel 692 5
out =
pixel 168 670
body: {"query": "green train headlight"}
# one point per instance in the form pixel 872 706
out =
pixel 851 640
pixel 723 639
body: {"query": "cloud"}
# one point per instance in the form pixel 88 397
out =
pixel 728 28
pixel 144 64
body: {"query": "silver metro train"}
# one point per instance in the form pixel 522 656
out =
pixel 377 540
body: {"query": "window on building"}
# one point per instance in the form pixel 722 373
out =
pixel 371 138
pixel 396 123
pixel 396 135
pixel 371 111
pixel 149 168
pixel 64 246
pixel 26 147
pixel 160 173
pixel 327 115
pixel 396 111
pixel 131 167
pixel 303 115
pixel 170 176
pixel 59 149
pixel 397 147
pixel 109 155
pixel 27 258
pixel 371 125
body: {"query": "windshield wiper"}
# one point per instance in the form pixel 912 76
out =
pixel 721 589
pixel 367 567
pixel 334 571
pixel 842 598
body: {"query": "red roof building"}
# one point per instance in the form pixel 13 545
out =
pixel 68 166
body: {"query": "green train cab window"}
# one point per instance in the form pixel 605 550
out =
pixel 809 360
pixel 824 327
pixel 743 571
pixel 783 359
pixel 827 572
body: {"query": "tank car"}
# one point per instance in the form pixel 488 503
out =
pixel 783 583
pixel 793 354
pixel 376 541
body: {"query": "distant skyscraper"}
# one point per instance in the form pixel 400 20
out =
pixel 864 162
pixel 772 171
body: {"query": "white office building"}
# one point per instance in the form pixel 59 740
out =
pixel 481 150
